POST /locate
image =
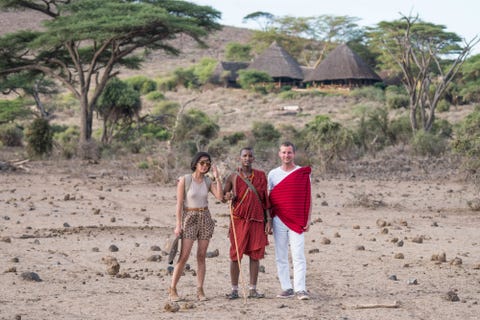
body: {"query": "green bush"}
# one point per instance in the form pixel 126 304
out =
pixel 327 141
pixel 369 93
pixel 397 101
pixel 155 96
pixel 401 129
pixel 11 135
pixel 67 139
pixel 249 79
pixel 141 84
pixel 428 144
pixel 167 83
pixel 265 132
pixel 443 106
pixel 289 95
pixel 39 137
pixel 467 136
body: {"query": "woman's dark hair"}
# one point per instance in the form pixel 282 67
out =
pixel 197 157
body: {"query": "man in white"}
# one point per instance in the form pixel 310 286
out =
pixel 290 196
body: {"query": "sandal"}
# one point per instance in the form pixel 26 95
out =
pixel 253 294
pixel 233 295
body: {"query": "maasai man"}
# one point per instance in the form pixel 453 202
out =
pixel 251 221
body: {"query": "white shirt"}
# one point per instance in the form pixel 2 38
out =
pixel 275 176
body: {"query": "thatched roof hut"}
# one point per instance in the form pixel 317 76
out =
pixel 279 64
pixel 226 73
pixel 342 67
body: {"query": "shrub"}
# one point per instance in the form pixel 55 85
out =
pixel 369 93
pixel 401 129
pixel 167 83
pixel 67 139
pixel 467 138
pixel 155 96
pixel 13 109
pixel 428 144
pixel 141 84
pixel 11 135
pixel 39 137
pixel 248 79
pixel 397 101
pixel 443 106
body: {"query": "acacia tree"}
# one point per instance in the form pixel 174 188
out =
pixel 83 42
pixel 428 58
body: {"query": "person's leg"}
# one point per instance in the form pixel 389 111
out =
pixel 186 248
pixel 234 273
pixel 254 267
pixel 280 234
pixel 201 266
pixel 297 245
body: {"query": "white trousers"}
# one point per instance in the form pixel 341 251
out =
pixel 284 237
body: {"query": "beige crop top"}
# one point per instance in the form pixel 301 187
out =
pixel 197 195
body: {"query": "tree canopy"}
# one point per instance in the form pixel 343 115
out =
pixel 84 42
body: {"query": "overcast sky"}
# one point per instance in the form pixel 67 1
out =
pixel 459 16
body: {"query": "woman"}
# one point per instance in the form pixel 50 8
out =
pixel 193 220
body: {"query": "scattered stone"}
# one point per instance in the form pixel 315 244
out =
pixel 113 267
pixel 213 254
pixel 155 258
pixel 381 223
pixel 113 219
pixel 417 239
pixel 474 204
pixel 385 231
pixel 400 243
pixel 360 248
pixel 170 270
pixel 188 305
pixel 261 269
pixel 11 269
pixel 336 235
pixel 356 226
pixel 66 225
pixel 441 257
pixel 412 281
pixel 155 248
pixel 113 248
pixel 15 260
pixel 313 251
pixel 451 296
pixel 95 249
pixel 324 203
pixel 30 276
pixel 171 307
pixel 325 241
pixel 399 255
pixel 434 224
pixel 393 277
pixel 456 261
pixel 476 267
pixel 6 239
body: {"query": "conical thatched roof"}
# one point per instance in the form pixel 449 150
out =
pixel 277 63
pixel 342 64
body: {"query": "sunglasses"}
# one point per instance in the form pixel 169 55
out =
pixel 205 163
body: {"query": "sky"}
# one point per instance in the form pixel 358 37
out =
pixel 459 16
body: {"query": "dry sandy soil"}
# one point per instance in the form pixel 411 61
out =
pixel 375 249
pixel 390 218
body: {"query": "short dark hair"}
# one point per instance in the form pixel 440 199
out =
pixel 289 144
pixel 247 149
pixel 197 157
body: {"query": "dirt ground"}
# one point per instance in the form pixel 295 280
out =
pixel 377 249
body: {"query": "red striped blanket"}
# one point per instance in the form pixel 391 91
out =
pixel 291 199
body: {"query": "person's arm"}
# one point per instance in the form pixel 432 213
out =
pixel 179 208
pixel 227 189
pixel 216 186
